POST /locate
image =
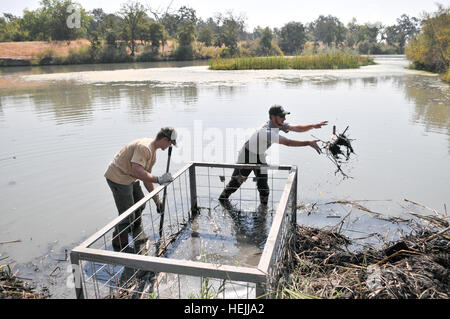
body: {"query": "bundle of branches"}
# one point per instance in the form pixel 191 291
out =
pixel 338 145
pixel 320 266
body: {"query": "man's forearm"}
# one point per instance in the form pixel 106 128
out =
pixel 302 128
pixel 150 188
pixel 298 143
pixel 305 128
pixel 140 173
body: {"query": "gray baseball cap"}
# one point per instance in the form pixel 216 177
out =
pixel 170 133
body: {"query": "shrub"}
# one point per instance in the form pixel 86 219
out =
pixel 47 56
pixel 184 52
pixel 115 55
pixel 147 56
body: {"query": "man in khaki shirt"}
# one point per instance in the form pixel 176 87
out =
pixel 134 162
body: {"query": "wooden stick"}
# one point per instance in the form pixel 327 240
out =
pixel 423 206
pixel 10 241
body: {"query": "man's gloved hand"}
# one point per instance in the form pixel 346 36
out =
pixel 165 178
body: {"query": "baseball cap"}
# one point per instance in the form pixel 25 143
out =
pixel 170 133
pixel 277 110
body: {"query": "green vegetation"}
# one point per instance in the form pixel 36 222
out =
pixel 147 34
pixel 336 60
pixel 430 50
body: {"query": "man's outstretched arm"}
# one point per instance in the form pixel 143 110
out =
pixel 305 128
pixel 296 143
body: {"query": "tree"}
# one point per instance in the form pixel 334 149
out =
pixel 37 24
pixel 400 33
pixel 56 15
pixel 328 30
pixel 186 33
pixel 111 23
pixel 205 35
pixel 97 16
pixel 133 14
pixel 186 36
pixel 266 40
pixel 229 28
pixel 11 29
pixel 156 35
pixel 292 37
pixel 172 21
pixel 430 50
pixel 187 14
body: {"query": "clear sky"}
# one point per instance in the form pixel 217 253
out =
pixel 269 13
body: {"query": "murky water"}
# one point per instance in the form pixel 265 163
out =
pixel 60 127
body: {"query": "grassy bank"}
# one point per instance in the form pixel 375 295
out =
pixel 336 60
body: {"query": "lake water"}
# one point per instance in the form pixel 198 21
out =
pixel 60 127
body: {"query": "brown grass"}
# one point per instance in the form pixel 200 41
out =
pixel 30 50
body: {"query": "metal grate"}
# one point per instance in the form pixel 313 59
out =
pixel 154 263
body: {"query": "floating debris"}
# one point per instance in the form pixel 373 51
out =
pixel 320 265
pixel 11 287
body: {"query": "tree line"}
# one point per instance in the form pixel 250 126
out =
pixel 430 50
pixel 134 24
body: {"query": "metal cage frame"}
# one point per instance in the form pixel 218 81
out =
pixel 264 276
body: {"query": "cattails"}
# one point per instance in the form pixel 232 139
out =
pixel 336 60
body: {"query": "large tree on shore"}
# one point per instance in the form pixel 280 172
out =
pixel 328 29
pixel 133 14
pixel 292 38
pixel 400 33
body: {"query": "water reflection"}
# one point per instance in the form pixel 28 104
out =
pixel 431 99
pixel 47 69
pixel 68 103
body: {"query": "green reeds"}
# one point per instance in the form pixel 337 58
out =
pixel 336 60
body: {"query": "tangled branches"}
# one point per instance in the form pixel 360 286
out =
pixel 338 145
pixel 417 266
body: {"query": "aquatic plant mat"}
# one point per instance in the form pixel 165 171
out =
pixel 337 60
pixel 325 263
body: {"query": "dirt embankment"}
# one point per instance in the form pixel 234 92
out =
pixel 30 50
